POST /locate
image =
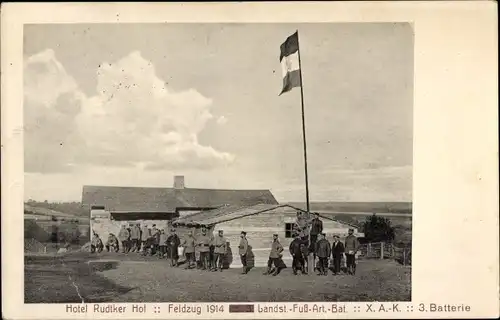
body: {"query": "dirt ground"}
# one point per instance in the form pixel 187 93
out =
pixel 131 278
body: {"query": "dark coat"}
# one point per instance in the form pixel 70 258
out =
pixel 316 226
pixel 323 248
pixel 337 250
pixel 295 247
pixel 173 243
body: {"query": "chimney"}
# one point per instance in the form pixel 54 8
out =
pixel 178 182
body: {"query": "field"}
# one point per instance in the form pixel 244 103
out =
pixel 130 278
pixel 369 207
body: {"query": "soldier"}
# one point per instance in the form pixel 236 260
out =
pixel 162 244
pixel 351 247
pixel 242 249
pixel 112 243
pixel 275 257
pixel 124 236
pixel 173 242
pixel 129 242
pixel 296 247
pixel 135 236
pixel 211 254
pixel 323 251
pixel 145 235
pixel 189 249
pixel 96 244
pixel 316 229
pixel 302 223
pixel 337 253
pixel 219 243
pixel 155 239
pixel 203 242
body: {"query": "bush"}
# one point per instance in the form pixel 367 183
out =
pixel 378 229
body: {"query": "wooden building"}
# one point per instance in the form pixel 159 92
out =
pixel 111 206
pixel 260 222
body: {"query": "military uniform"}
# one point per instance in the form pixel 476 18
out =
pixel 242 250
pixel 162 244
pixel 155 239
pixel 316 229
pixel 275 258
pixel 135 236
pixel 351 247
pixel 189 250
pixel 173 243
pixel 323 251
pixel 219 243
pixel 96 244
pixel 203 243
pixel 145 235
pixel 296 250
pixel 112 243
pixel 124 236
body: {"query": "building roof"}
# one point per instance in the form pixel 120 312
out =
pixel 227 213
pixel 140 199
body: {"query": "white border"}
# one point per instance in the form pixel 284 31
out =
pixel 455 186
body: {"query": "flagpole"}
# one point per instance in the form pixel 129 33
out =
pixel 303 126
pixel 310 264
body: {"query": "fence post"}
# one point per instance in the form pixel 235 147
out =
pixel 369 250
pixel 311 264
pixel 381 250
pixel 404 256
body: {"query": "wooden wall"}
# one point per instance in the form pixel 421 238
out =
pixel 103 225
pixel 261 227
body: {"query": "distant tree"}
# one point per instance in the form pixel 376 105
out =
pixel 378 229
pixel 347 218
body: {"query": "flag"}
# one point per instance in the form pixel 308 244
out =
pixel 289 59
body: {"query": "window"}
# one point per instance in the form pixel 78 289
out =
pixel 289 230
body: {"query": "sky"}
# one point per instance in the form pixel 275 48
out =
pixel 136 104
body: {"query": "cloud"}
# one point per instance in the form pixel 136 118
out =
pixel 133 120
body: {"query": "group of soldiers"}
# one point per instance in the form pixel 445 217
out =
pixel 203 252
pixel 209 252
pixel 310 238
